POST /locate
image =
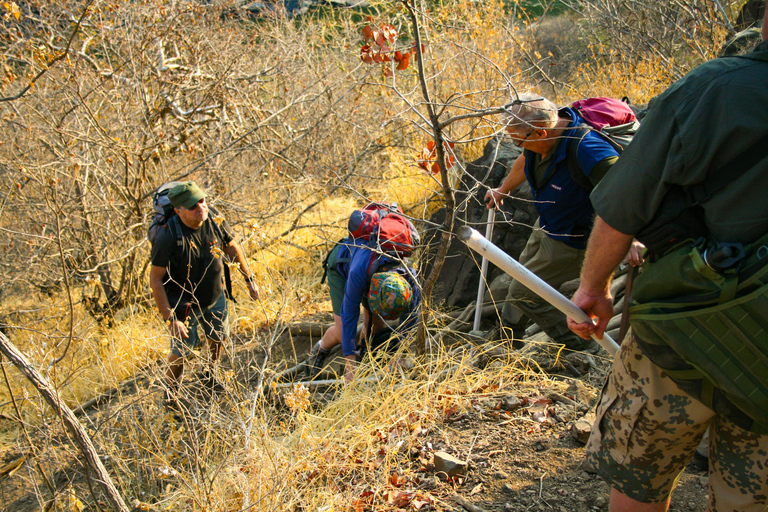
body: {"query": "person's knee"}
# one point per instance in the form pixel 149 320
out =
pixel 332 336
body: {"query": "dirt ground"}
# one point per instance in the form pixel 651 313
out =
pixel 518 450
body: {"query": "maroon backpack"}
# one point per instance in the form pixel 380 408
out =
pixel 386 228
pixel 613 119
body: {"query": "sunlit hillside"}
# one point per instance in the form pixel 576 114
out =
pixel 288 129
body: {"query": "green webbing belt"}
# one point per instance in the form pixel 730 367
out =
pixel 713 345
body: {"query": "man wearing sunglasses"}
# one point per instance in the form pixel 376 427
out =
pixel 186 278
pixel 555 249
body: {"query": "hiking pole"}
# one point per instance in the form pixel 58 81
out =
pixel 508 264
pixel 483 270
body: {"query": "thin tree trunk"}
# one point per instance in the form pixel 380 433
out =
pixel 447 228
pixel 78 432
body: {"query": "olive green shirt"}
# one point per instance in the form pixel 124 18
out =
pixel 695 127
pixel 540 165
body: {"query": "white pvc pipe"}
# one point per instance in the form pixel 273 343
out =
pixel 508 264
pixel 483 272
pixel 315 383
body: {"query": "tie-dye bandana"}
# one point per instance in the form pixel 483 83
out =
pixel 389 295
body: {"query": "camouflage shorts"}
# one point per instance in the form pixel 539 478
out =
pixel 647 431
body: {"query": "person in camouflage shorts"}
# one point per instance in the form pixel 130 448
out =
pixel 647 428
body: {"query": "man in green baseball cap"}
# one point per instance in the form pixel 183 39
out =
pixel 188 257
pixel 186 194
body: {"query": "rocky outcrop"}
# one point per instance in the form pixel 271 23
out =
pixel 457 284
pixel 458 281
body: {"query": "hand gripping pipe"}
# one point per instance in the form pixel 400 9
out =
pixel 508 264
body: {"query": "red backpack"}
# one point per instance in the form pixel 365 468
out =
pixel 386 227
pixel 601 113
pixel 613 119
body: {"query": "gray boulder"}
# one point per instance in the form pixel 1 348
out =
pixel 457 283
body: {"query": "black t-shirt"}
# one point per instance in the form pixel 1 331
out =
pixel 193 265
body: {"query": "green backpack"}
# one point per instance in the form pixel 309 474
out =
pixel 702 319
pixel 707 329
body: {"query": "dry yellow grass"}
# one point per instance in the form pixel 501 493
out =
pixel 249 452
pixel 244 451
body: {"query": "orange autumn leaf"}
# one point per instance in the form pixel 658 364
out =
pixel 366 53
pixel 428 155
pixel 450 411
pixel 389 32
pixel 414 49
pixel 402 60
pixel 365 499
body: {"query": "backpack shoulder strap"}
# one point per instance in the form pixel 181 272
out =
pixel 345 259
pixel 572 156
pixel 175 227
pixel 218 230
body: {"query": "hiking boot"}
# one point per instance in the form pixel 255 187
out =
pixel 315 361
pixel 211 383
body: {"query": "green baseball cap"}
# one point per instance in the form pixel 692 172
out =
pixel 186 194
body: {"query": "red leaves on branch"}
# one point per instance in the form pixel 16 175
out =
pixel 367 32
pixel 372 56
pixel 379 41
pixel 427 159
pixel 402 60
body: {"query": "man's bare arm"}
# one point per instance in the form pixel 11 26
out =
pixel 235 253
pixel 514 179
pixel 606 249
pixel 175 326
